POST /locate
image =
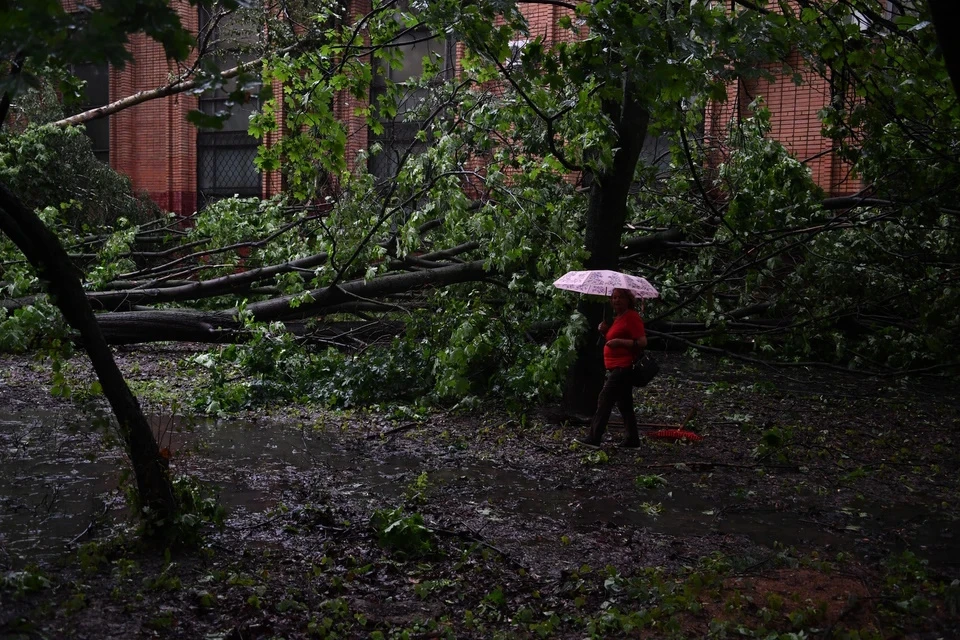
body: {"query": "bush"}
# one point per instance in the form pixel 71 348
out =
pixel 401 532
pixel 52 166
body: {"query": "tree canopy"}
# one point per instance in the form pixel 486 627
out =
pixel 527 157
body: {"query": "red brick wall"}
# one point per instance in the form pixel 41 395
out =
pixel 794 121
pixel 346 106
pixel 152 142
pixel 272 180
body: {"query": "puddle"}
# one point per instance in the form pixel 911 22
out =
pixel 55 481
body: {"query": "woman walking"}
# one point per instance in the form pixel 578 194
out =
pixel 625 340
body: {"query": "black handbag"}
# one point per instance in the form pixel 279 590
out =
pixel 643 370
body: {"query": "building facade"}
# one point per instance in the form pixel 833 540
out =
pixel 182 168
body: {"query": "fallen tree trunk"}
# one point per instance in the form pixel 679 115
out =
pixel 170 325
pixel 321 299
pixel 217 327
pixel 224 285
pixel 185 325
pixel 126 295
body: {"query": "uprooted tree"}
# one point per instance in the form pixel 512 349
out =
pixel 526 161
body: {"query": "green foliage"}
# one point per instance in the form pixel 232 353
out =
pixel 21 583
pixel 46 34
pixel 416 491
pixel 478 342
pixel 396 373
pixel 198 508
pixel 774 441
pixel 476 336
pixel 403 533
pixel 595 458
pixel 47 166
pixel 272 366
pixel 54 170
pixel 495 171
pixel 650 481
pixel 885 279
pixel 30 327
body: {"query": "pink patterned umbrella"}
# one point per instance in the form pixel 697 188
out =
pixel 602 283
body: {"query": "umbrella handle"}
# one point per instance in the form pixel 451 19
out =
pixel 601 340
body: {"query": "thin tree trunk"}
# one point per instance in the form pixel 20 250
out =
pixel 172 88
pixel 44 251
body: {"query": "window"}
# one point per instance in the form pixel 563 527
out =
pixel 225 157
pixel 96 93
pixel 516 48
pixel 886 11
pixel 400 133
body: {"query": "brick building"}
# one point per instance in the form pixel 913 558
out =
pixel 794 122
pixel 181 168
pixel 163 154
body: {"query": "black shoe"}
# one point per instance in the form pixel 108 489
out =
pixel 588 442
pixel 633 443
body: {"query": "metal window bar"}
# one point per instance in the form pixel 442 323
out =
pixel 225 166
pixel 399 134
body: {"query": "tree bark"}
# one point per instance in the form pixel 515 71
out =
pixel 281 309
pixel 169 325
pixel 184 325
pixel 44 251
pixel 224 285
pixel 606 214
pixel 177 86
pixel 217 327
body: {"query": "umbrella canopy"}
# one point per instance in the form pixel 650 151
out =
pixel 602 283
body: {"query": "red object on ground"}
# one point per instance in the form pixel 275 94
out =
pixel 674 434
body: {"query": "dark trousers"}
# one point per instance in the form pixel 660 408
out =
pixel 617 390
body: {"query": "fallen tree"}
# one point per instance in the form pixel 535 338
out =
pixel 747 255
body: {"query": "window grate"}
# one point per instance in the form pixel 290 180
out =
pixel 225 166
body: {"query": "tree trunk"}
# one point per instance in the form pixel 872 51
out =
pixel 606 214
pixel 186 325
pixel 218 327
pixel 946 14
pixel 281 309
pixel 169 325
pixel 44 251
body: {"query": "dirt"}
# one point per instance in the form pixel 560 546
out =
pixel 816 501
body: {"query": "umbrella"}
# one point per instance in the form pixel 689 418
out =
pixel 602 283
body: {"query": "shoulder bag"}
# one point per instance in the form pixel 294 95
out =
pixel 643 371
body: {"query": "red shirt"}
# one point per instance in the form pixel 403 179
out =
pixel 627 325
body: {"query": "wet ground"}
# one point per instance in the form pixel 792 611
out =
pixel 805 484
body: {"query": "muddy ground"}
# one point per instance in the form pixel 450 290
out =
pixel 817 503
